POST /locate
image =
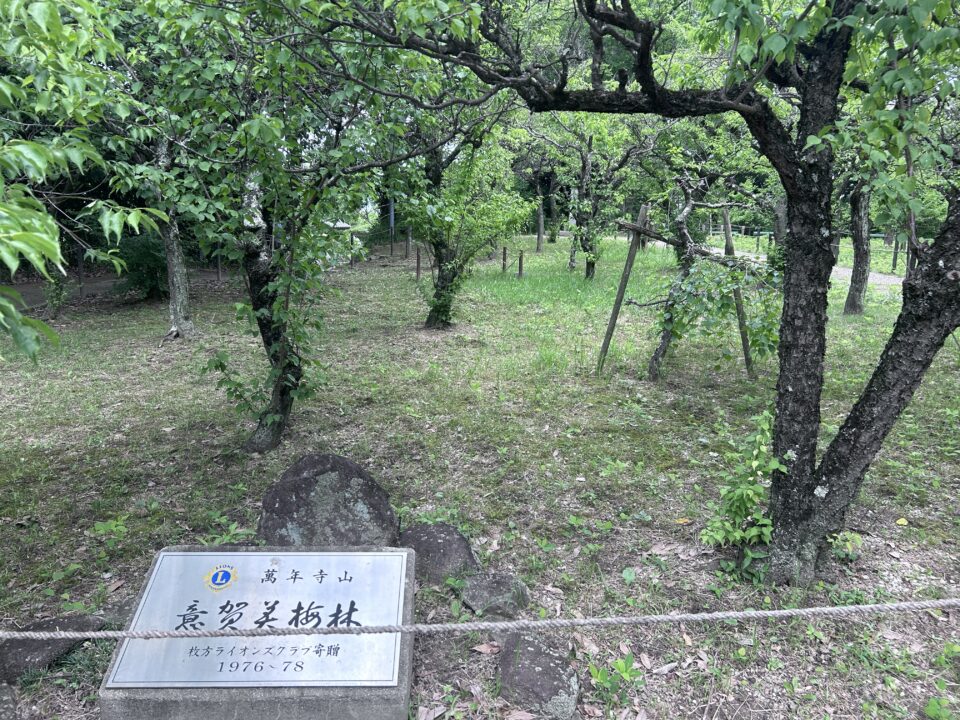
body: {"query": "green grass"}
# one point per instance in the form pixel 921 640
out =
pixel 499 426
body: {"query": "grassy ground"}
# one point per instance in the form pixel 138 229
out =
pixel 112 448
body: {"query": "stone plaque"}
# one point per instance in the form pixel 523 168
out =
pixel 242 590
pixel 362 676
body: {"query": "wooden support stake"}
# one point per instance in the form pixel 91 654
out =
pixel 418 263
pixel 621 291
pixel 406 247
pixel 730 251
pixel 504 258
pixel 520 265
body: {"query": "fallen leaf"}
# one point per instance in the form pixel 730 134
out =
pixel 687 640
pixel 487 648
pixel 902 521
pixel 624 648
pixel 683 521
pixel 586 643
pixel 115 585
pixel 665 669
pixel 645 661
pixel 592 711
pixel 519 715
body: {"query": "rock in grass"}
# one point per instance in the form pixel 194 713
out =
pixel 442 552
pixel 536 677
pixel 18 656
pixel 327 500
pixel 495 595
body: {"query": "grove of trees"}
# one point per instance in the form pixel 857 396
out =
pixel 246 130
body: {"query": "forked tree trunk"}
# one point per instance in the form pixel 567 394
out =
pixel 860 232
pixel 181 324
pixel 930 313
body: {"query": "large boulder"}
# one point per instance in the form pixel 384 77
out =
pixel 18 656
pixel 442 552
pixel 535 676
pixel 495 595
pixel 327 500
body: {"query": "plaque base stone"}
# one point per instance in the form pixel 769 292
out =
pixel 271 702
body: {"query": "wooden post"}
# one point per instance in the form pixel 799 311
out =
pixel 730 251
pixel 539 223
pixel 418 263
pixel 406 247
pixel 896 251
pixel 504 258
pixel 520 265
pixel 618 302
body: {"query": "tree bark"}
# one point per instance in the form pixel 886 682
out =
pixel 181 323
pixel 445 285
pixel 930 314
pixel 860 232
pixel 262 276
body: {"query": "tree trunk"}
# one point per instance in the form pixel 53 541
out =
pixel 930 313
pixel 860 232
pixel 666 335
pixel 181 324
pixel 262 275
pixel 809 262
pixel 730 251
pixel 588 243
pixel 445 285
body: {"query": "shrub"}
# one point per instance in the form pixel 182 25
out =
pixel 740 519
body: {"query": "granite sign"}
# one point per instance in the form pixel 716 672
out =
pixel 202 589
